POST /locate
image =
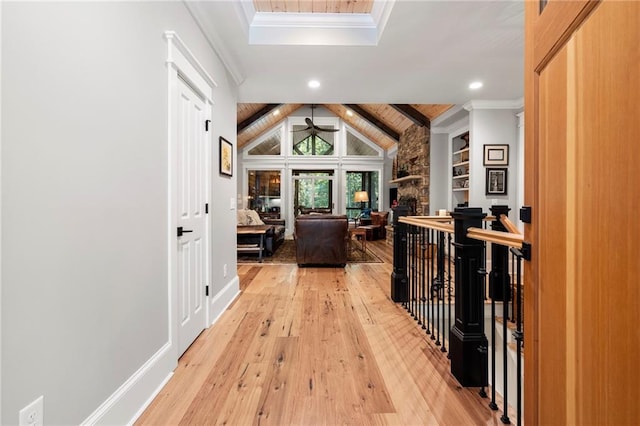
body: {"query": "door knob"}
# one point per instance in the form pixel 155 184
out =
pixel 183 231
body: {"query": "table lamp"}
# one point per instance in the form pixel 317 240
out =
pixel 362 197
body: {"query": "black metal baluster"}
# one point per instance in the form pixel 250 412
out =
pixel 428 282
pixel 411 257
pixel 518 334
pixel 422 278
pixel 414 272
pixel 493 404
pixel 441 285
pixel 505 369
pixel 437 284
pixel 482 271
pixel 420 268
pixel 449 284
pixel 431 281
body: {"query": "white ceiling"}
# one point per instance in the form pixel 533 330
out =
pixel 428 53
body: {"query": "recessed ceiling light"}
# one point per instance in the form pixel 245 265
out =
pixel 276 112
pixel 314 84
pixel 349 113
pixel 475 85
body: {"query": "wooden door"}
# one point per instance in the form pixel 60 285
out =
pixel 582 338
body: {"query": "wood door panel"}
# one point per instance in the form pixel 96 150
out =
pixel 552 181
pixel 607 265
pixel 582 92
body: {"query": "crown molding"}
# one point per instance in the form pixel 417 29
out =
pixel 208 30
pixel 489 104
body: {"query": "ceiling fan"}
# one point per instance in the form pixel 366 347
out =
pixel 311 126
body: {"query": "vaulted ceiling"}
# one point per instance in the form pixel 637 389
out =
pixel 381 123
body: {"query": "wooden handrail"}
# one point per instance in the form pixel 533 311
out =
pixel 436 218
pixel 511 227
pixel 504 238
pixel 421 222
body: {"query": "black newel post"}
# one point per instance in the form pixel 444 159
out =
pixel 399 279
pixel 499 276
pixel 468 342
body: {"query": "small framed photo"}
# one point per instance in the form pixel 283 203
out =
pixel 496 183
pixel 496 155
pixel 226 157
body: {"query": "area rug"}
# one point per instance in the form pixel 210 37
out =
pixel 286 253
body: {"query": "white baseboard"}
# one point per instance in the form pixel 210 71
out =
pixel 221 301
pixel 129 401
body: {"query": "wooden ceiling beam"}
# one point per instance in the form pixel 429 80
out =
pixel 412 114
pixel 256 116
pixel 374 121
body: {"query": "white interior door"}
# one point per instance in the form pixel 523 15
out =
pixel 191 173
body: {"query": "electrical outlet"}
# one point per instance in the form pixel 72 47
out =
pixel 224 270
pixel 32 414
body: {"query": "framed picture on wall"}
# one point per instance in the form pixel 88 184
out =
pixel 496 183
pixel 496 155
pixel 226 157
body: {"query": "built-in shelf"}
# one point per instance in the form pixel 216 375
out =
pixel 406 179
pixel 460 162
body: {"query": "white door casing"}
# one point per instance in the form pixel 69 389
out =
pixel 191 176
pixel 185 71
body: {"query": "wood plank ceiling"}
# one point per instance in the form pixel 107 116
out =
pixel 314 6
pixel 381 123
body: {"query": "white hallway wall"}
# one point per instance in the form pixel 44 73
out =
pixel 84 197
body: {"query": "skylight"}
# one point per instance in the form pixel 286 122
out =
pixel 317 29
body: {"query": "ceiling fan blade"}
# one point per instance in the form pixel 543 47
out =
pixel 309 122
pixel 325 129
pixel 306 129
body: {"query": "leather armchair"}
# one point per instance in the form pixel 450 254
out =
pixel 321 240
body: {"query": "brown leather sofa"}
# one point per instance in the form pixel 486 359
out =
pixel 321 239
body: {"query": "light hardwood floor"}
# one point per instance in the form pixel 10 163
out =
pixel 316 346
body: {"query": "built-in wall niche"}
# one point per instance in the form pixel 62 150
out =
pixel 264 191
pixel 460 169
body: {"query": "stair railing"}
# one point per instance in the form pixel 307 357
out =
pixel 424 281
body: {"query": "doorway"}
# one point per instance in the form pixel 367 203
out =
pixel 313 191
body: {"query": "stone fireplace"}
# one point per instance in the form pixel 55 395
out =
pixel 413 159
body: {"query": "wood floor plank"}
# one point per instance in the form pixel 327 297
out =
pixel 316 346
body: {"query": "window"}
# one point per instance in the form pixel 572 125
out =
pixel 356 146
pixel 361 181
pixel 316 143
pixel 264 191
pixel 270 146
pixel 313 191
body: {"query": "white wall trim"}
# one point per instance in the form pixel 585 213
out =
pixel 221 301
pixel 484 104
pixel 181 56
pixel 209 32
pixel 134 395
